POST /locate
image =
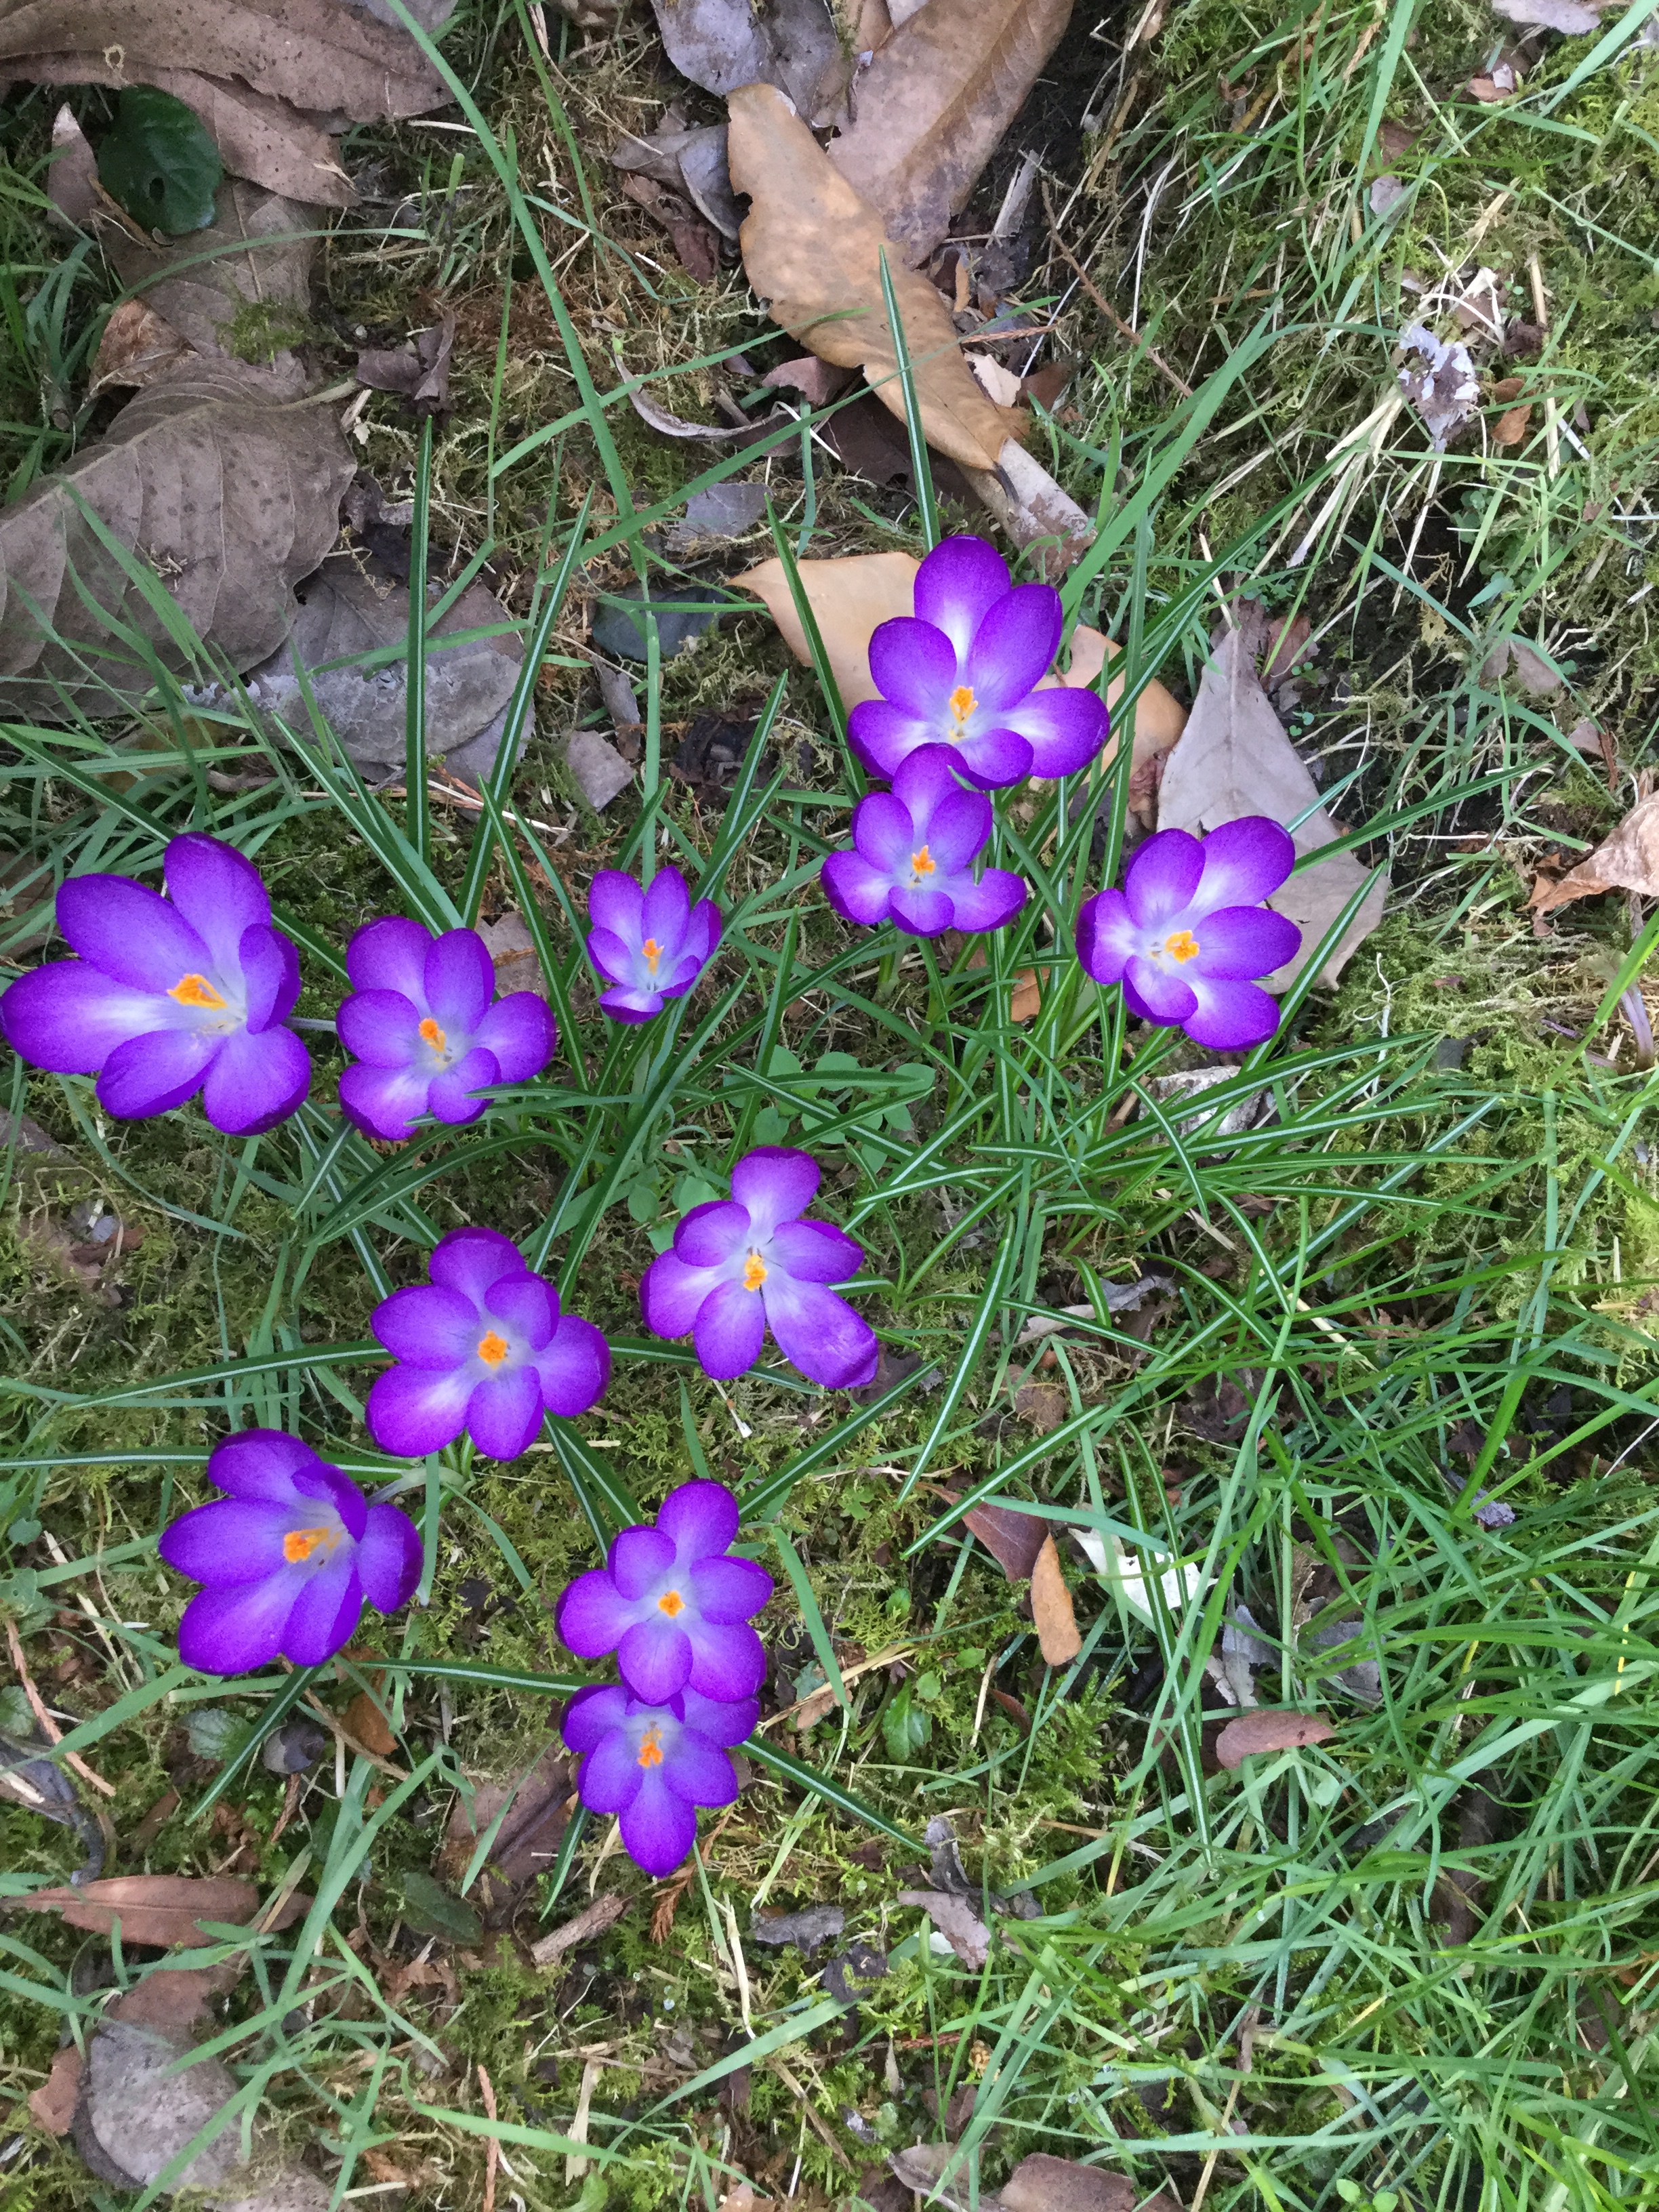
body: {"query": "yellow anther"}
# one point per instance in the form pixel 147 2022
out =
pixel 754 1272
pixel 651 1747
pixel 962 703
pixel 492 1349
pixel 671 1603
pixel 653 952
pixel 299 1543
pixel 923 863
pixel 433 1036
pixel 1182 946
pixel 195 990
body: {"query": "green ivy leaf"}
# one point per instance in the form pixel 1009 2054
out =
pixel 904 1730
pixel 160 161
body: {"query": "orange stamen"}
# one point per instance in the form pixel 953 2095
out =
pixel 492 1349
pixel 195 990
pixel 433 1036
pixel 962 703
pixel 653 952
pixel 1182 946
pixel 923 864
pixel 754 1272
pixel 299 1543
pixel 651 1747
pixel 671 1603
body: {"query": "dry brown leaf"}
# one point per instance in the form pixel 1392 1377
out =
pixel 1510 428
pixel 170 1997
pixel 254 257
pixel 1268 1728
pixel 363 1719
pixel 1513 657
pixel 1051 1608
pixel 955 1920
pixel 53 2103
pixel 1042 2184
pixel 1025 1001
pixel 1234 759
pixel 593 1920
pixel 723 45
pixel 934 107
pixel 820 381
pixel 72 179
pixel 1286 641
pixel 1042 1406
pixel 314 53
pixel 812 249
pixel 138 347
pixel 269 141
pixel 159 1909
pixel 1012 1539
pixel 230 499
pixel 1626 861
pixel 851 595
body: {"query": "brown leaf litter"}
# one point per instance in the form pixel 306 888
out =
pixel 165 1910
pixel 1051 1608
pixel 1266 1728
pixel 1628 860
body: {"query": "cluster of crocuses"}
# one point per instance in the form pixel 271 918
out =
pixel 674 1605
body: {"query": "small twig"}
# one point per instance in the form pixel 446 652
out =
pixel 1137 338
pixel 49 1726
pixel 493 2155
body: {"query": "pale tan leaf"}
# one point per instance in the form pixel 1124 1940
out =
pixel 138 347
pixel 240 287
pixel 1025 1001
pixel 53 2103
pixel 812 249
pixel 513 950
pixel 933 105
pixel 159 1909
pixel 1267 1729
pixel 1510 428
pixel 1234 759
pixel 1042 2183
pixel 1569 16
pixel 363 1719
pixel 315 54
pixel 1626 861
pixel 72 179
pixel 851 595
pixel 230 498
pixel 1514 658
pixel 1051 1608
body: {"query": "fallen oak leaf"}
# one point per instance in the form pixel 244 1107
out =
pixel 1267 1727
pixel 1628 860
pixel 1051 1608
pixel 812 248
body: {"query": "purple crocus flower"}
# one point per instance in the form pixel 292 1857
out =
pixel 649 945
pixel 170 996
pixel 425 1032
pixel 963 672
pixel 741 1265
pixel 655 1764
pixel 914 848
pixel 287 1556
pixel 482 1347
pixel 670 1604
pixel 1187 931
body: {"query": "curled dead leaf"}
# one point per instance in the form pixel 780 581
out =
pixel 1051 1608
pixel 165 1910
pixel 1628 860
pixel 53 2103
pixel 138 347
pixel 1510 428
pixel 1266 1728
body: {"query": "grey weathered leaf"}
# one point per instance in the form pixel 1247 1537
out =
pixel 1234 759
pixel 722 44
pixel 1444 390
pixel 72 179
pixel 600 770
pixel 955 1920
pixel 1362 1678
pixel 1513 656
pixel 716 516
pixel 1041 2182
pixel 1569 16
pixel 230 498
pixel 806 1931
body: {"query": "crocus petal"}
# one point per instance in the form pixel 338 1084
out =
pixel 612 956
pixel 957 825
pixel 729 1331
pixel 574 1368
pixel 451 1095
pixel 382 1027
pixel 728 1591
pixel 915 666
pixel 658 1829
pixel 776 1182
pixel 857 892
pixel 260 1463
pixel 519 1031
pixel 1066 727
pixel 654 1656
pixel 713 1233
pixel 389 1558
pixel 233 1631
pixel 427 1326
pixel 384 1101
pixel 631 1005
pixel 329 1486
pixel 614 903
pixel 390 955
pixel 1230 1016
pixel 700 1519
pixel 994 759
pixel 326 1613
pixel 704 929
pixel 882 734
pixel 593 1714
pixel 504 1414
pixel 234 1539
pixel 957 584
pixel 270 975
pixel 592 1617
pixel 815 1252
pixel 1244 861
pixel 883 830
pixel 920 913
pixel 153 1074
pixel 612 1776
pixel 220 895
pixel 995 899
pixel 1107 937
pixel 723 1720
pixel 638 1558
pixel 460 980
pixel 671 1294
pixel 699 1772
pixel 69 1016
pixel 1163 877
pixel 255 1082
pixel 818 1332
pixel 526 1306
pixel 131 932
pixel 1239 943
pixel 1155 995
pixel 470 1260
pixel 1014 646
pixel 412 1411
pixel 726 1661
pixel 666 908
